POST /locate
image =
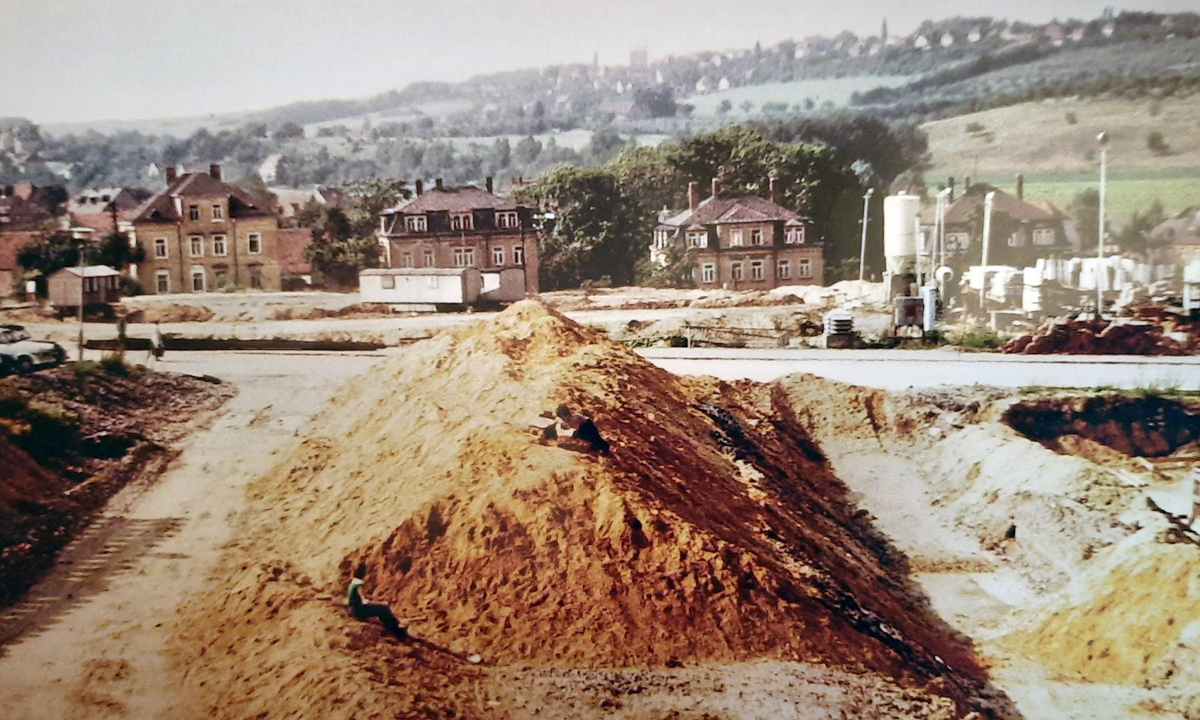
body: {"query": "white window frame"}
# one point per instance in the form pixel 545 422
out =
pixel 1012 240
pixel 756 269
pixel 407 260
pixel 708 272
pixel 506 220
pixel 498 256
pixel 162 282
pixel 192 245
pixel 1043 236
pixel 735 271
pixel 735 239
pixel 428 259
pixel 462 221
pixel 220 241
pixel 756 236
pixel 464 257
pixel 783 269
pixel 218 213
pixel 251 240
pixel 415 223
pixel 697 239
pixel 662 238
pixel 804 268
pixel 794 235
pixel 198 272
pixel 162 248
pixel 518 255
pixel 387 282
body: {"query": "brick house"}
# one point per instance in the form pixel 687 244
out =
pixel 1022 231
pixel 465 226
pixel 1176 240
pixel 201 234
pixel 742 242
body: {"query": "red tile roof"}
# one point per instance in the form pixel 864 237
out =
pixel 453 199
pixel 291 244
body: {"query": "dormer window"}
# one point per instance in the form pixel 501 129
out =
pixel 415 223
pixel 506 220
pixel 735 240
pixel 697 239
pixel 662 238
pixel 794 235
pixel 461 221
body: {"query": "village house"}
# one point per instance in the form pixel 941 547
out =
pixel 742 241
pixel 202 234
pixel 465 226
pixel 1176 240
pixel 1022 231
pixel 96 208
pixel 24 211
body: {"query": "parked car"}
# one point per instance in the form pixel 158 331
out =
pixel 21 354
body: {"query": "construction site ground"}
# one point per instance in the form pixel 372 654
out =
pixel 1080 600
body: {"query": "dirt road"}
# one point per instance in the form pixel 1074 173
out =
pixel 88 640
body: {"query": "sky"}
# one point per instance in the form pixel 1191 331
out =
pixel 89 60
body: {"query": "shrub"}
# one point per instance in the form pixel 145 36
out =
pixel 115 364
pixel 1157 143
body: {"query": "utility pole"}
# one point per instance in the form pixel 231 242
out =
pixel 940 231
pixel 82 279
pixel 987 233
pixel 1101 273
pixel 862 253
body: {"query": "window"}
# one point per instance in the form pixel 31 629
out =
pixel 662 238
pixel 1014 240
pixel 256 277
pixel 804 268
pixel 218 214
pixel 196 245
pixel 697 239
pixel 218 242
pixel 506 220
pixel 220 277
pixel 193 212
pixel 498 256
pixel 255 243
pixel 756 236
pixel 708 272
pixel 735 271
pixel 197 279
pixel 160 248
pixel 461 221
pixel 518 255
pixel 428 258
pixel 756 269
pixel 735 240
pixel 1043 236
pixel 407 260
pixel 956 242
pixel 783 269
pixel 795 235
pixel 464 257
pixel 415 223
pixel 388 282
pixel 162 282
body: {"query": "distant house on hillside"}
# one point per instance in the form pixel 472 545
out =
pixel 203 234
pixel 742 241
pixel 94 208
pixel 1176 241
pixel 290 201
pixel 465 226
pixel 1021 232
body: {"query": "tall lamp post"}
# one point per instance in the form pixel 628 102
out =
pixel 1101 273
pixel 862 253
pixel 940 237
pixel 82 280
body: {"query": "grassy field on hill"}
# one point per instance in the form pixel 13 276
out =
pixel 1053 142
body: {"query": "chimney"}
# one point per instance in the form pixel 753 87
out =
pixel 716 186
pixel 419 186
pixel 773 184
pixel 438 183
pixel 214 171
pixel 693 196
pixel 950 184
pixel 1020 186
pixel 489 183
pixel 171 174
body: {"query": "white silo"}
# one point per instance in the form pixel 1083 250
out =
pixel 900 233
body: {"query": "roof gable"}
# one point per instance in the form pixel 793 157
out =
pixel 463 198
pixel 161 206
pixel 734 208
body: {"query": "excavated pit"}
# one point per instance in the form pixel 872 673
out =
pixel 714 533
pixel 1149 426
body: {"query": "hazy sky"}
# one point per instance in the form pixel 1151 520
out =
pixel 82 60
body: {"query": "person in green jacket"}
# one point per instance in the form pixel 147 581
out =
pixel 364 610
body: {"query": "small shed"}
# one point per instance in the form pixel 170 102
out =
pixel 99 285
pixel 421 286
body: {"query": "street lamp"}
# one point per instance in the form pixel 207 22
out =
pixel 940 236
pixel 1101 274
pixel 862 253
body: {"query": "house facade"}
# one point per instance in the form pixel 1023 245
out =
pixel 201 234
pixel 1176 240
pixel 742 242
pixel 1022 231
pixel 465 226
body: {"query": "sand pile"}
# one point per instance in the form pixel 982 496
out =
pixel 714 532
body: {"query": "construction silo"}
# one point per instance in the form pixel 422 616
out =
pixel 900 214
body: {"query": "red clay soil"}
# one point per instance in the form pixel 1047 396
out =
pixel 1098 337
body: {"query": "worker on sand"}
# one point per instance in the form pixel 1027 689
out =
pixel 364 610
pixel 582 428
pixel 156 343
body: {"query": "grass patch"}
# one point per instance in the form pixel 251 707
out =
pixel 978 340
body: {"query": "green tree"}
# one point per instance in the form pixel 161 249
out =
pixel 47 255
pixel 338 249
pixel 1134 235
pixel 1085 209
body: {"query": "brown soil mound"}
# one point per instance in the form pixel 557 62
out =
pixel 174 313
pixel 1149 426
pixel 1097 337
pixel 713 532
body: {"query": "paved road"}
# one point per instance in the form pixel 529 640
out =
pixel 902 369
